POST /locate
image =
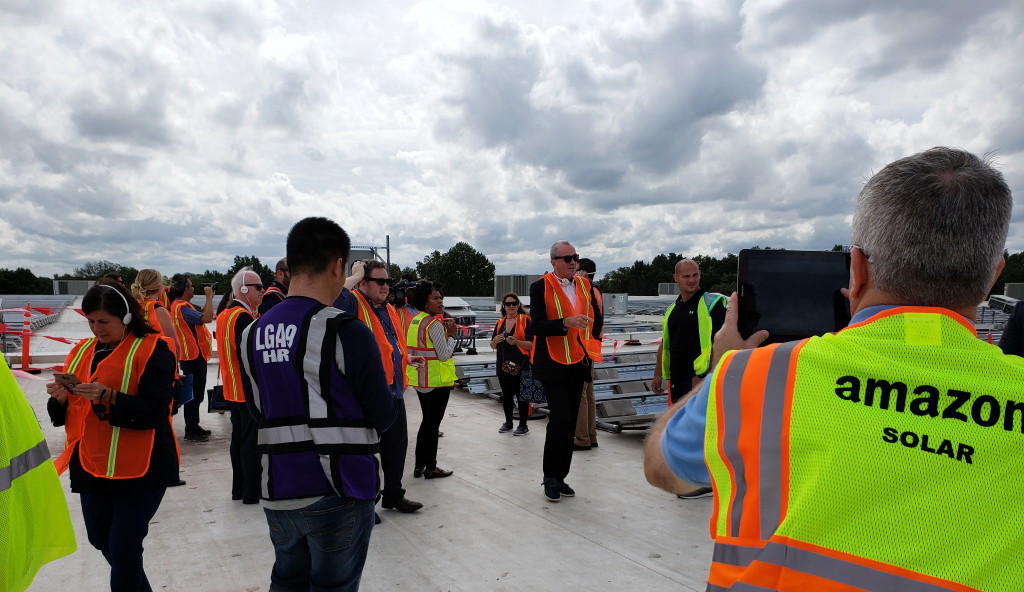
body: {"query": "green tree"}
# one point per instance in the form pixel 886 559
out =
pixel 92 270
pixel 462 270
pixel 266 274
pixel 408 273
pixel 394 271
pixel 23 281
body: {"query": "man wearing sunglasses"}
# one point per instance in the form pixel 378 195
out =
pixel 368 301
pixel 248 292
pixel 565 320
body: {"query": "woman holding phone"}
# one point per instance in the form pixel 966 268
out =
pixel 512 342
pixel 432 338
pixel 120 450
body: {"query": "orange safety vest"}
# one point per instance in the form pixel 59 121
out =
pixel 367 316
pixel 149 313
pixel 407 316
pixel 227 352
pixel 519 332
pixel 194 339
pixel 105 450
pixel 568 349
pixel 275 292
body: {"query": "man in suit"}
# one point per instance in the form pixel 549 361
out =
pixel 565 320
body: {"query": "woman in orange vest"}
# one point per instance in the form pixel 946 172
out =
pixel 114 397
pixel 512 342
pixel 148 288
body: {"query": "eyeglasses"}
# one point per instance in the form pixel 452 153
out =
pixel 257 286
pixel 510 303
pixel 380 281
pixel 567 258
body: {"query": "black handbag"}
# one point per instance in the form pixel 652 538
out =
pixel 530 390
pixel 215 402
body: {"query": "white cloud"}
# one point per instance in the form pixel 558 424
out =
pixel 180 135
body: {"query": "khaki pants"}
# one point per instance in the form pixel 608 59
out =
pixel 586 423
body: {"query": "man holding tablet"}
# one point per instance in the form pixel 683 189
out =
pixel 874 458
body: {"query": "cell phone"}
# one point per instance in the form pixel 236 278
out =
pixel 68 381
pixel 214 286
pixel 792 294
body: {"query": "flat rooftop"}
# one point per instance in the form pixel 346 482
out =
pixel 488 527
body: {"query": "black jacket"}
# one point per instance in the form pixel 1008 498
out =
pixel 544 368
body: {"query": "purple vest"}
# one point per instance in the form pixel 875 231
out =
pixel 313 437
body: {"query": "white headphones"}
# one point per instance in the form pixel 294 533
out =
pixel 127 318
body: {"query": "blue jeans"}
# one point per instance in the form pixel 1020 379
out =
pixel 322 547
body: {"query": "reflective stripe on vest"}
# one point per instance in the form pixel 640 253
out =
pixel 569 348
pixel 802 436
pixel 186 335
pixel 230 371
pixel 434 373
pixel 344 446
pixel 369 318
pixel 520 330
pixel 34 517
pixel 105 450
pixel 704 326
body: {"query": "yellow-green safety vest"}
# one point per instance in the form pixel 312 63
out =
pixel 700 363
pixel 434 373
pixel 885 457
pixel 35 525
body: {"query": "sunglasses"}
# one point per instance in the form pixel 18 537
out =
pixel 380 281
pixel 568 258
pixel 257 286
pixel 510 303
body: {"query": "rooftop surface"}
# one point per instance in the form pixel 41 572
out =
pixel 488 527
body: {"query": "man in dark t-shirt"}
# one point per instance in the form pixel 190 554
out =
pixel 688 327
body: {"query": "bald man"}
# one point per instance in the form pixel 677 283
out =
pixel 687 329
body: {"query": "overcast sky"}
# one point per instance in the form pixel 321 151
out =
pixel 177 135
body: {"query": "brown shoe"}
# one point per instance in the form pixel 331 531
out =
pixel 436 473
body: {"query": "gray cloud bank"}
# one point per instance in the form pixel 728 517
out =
pixel 177 136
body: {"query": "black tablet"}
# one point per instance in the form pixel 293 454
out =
pixel 792 294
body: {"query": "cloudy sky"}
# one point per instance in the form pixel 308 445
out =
pixel 177 135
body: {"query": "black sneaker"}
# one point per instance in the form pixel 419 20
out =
pixel 202 430
pixel 505 427
pixel 552 490
pixel 196 437
pixel 696 493
pixel 565 490
pixel 521 431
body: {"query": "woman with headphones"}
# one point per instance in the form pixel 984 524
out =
pixel 113 399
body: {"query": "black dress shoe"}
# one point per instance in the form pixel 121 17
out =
pixel 578 448
pixel 403 505
pixel 250 502
pixel 179 483
pixel 417 473
pixel 436 473
pixel 376 518
pixel 593 444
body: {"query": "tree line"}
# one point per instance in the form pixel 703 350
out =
pixel 462 270
pixel 719 274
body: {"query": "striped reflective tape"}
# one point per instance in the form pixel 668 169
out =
pixel 23 463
